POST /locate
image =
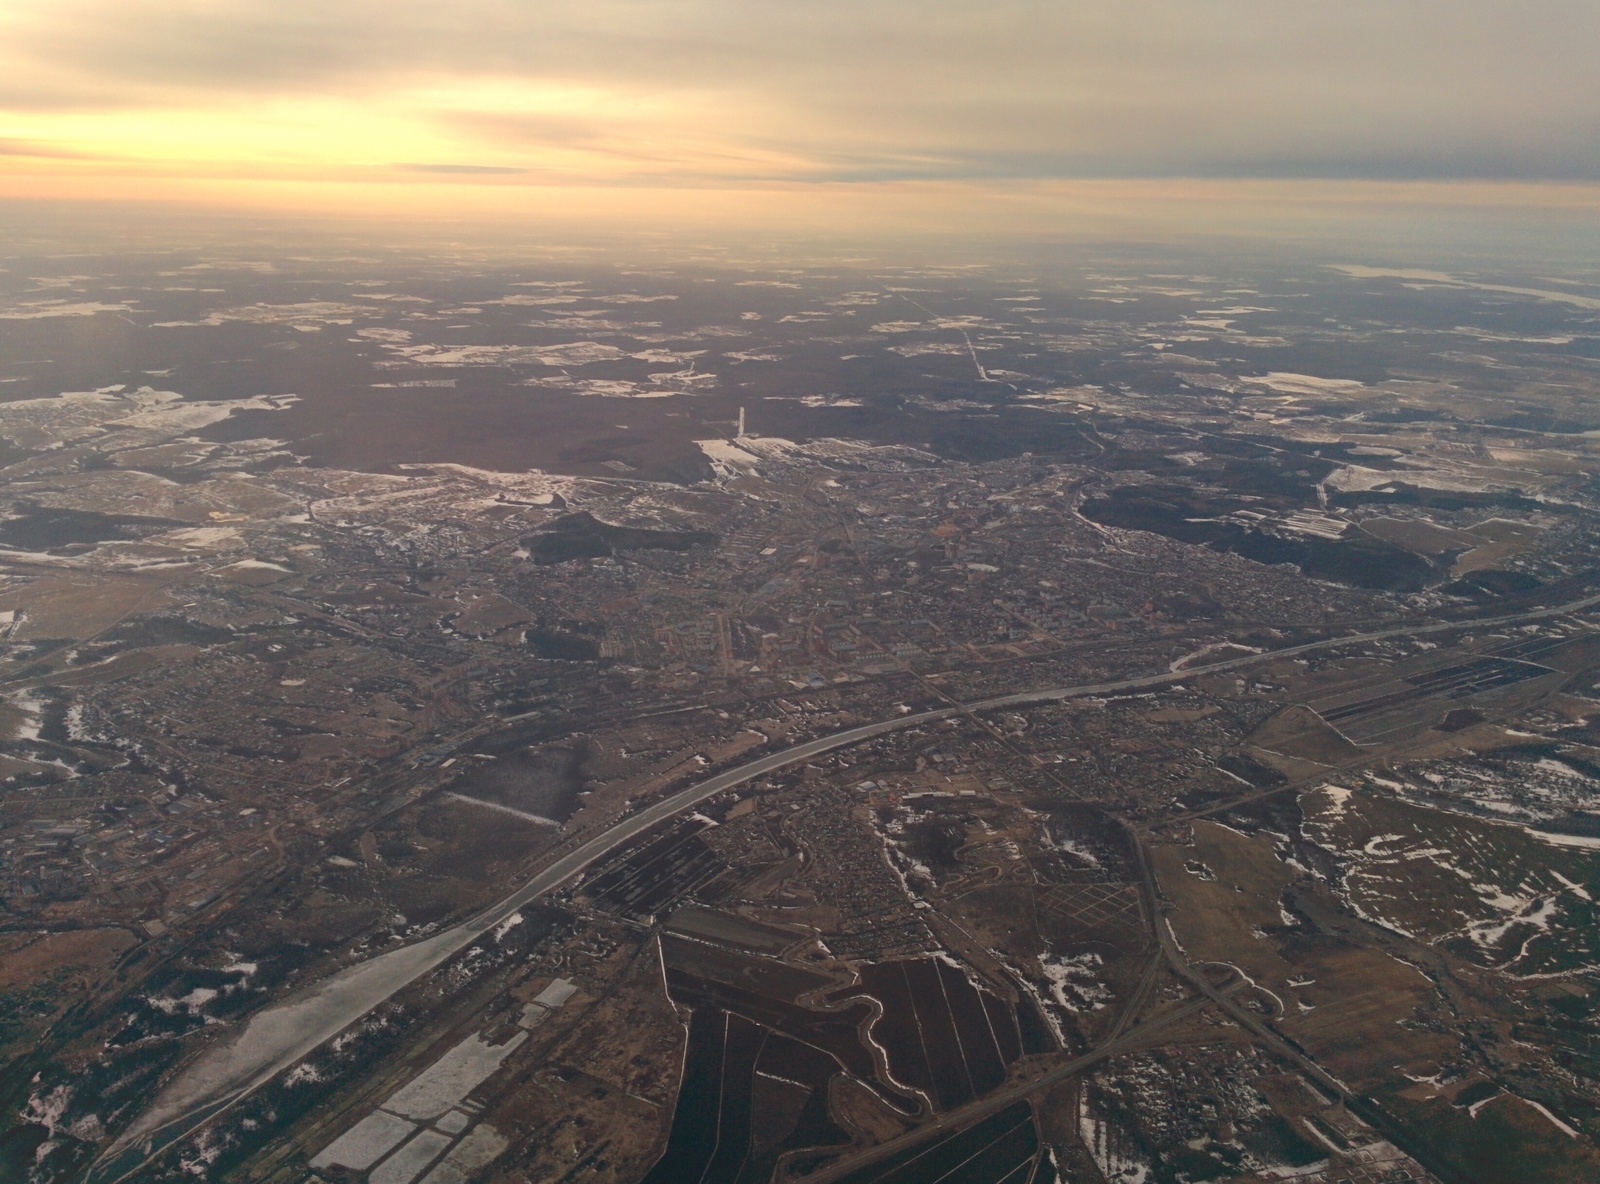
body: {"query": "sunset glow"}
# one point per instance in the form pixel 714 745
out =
pixel 767 111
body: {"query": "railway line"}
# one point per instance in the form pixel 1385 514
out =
pixel 279 1036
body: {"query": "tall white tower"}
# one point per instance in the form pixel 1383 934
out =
pixel 741 424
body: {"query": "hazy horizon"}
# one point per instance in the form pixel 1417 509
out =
pixel 1154 118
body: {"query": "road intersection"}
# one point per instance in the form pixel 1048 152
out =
pixel 279 1036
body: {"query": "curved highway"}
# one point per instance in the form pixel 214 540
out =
pixel 274 1039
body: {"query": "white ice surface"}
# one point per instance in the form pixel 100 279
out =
pixel 406 1164
pixel 362 1145
pixel 452 1077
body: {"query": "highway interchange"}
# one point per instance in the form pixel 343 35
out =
pixel 276 1038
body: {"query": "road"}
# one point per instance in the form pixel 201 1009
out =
pixel 276 1038
pixel 953 1120
pixel 1265 1035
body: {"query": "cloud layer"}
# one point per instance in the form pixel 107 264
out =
pixel 719 92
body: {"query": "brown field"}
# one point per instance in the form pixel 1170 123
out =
pixel 61 607
pixel 631 1038
pixel 862 1112
pixel 25 958
pixel 1002 918
pixel 42 975
pixel 1359 1001
pixel 570 1116
pixel 1503 530
pixel 1434 874
pixel 1573 656
pixel 11 766
pixel 1542 460
pixel 161 455
pixel 604 1084
pixel 1209 1026
pixel 1181 715
pixel 129 491
pixel 124 666
pixel 490 614
pixel 1298 731
pixel 1505 540
pixel 251 577
pixel 1507 1142
pixel 1422 537
pixel 1349 1015
pixel 13 720
pixel 1293 767
pixel 1226 919
pixel 1057 1112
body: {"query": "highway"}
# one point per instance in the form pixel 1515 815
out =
pixel 962 1116
pixel 276 1038
pixel 1119 1040
pixel 1361 1107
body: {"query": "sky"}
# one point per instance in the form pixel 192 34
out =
pixel 932 111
